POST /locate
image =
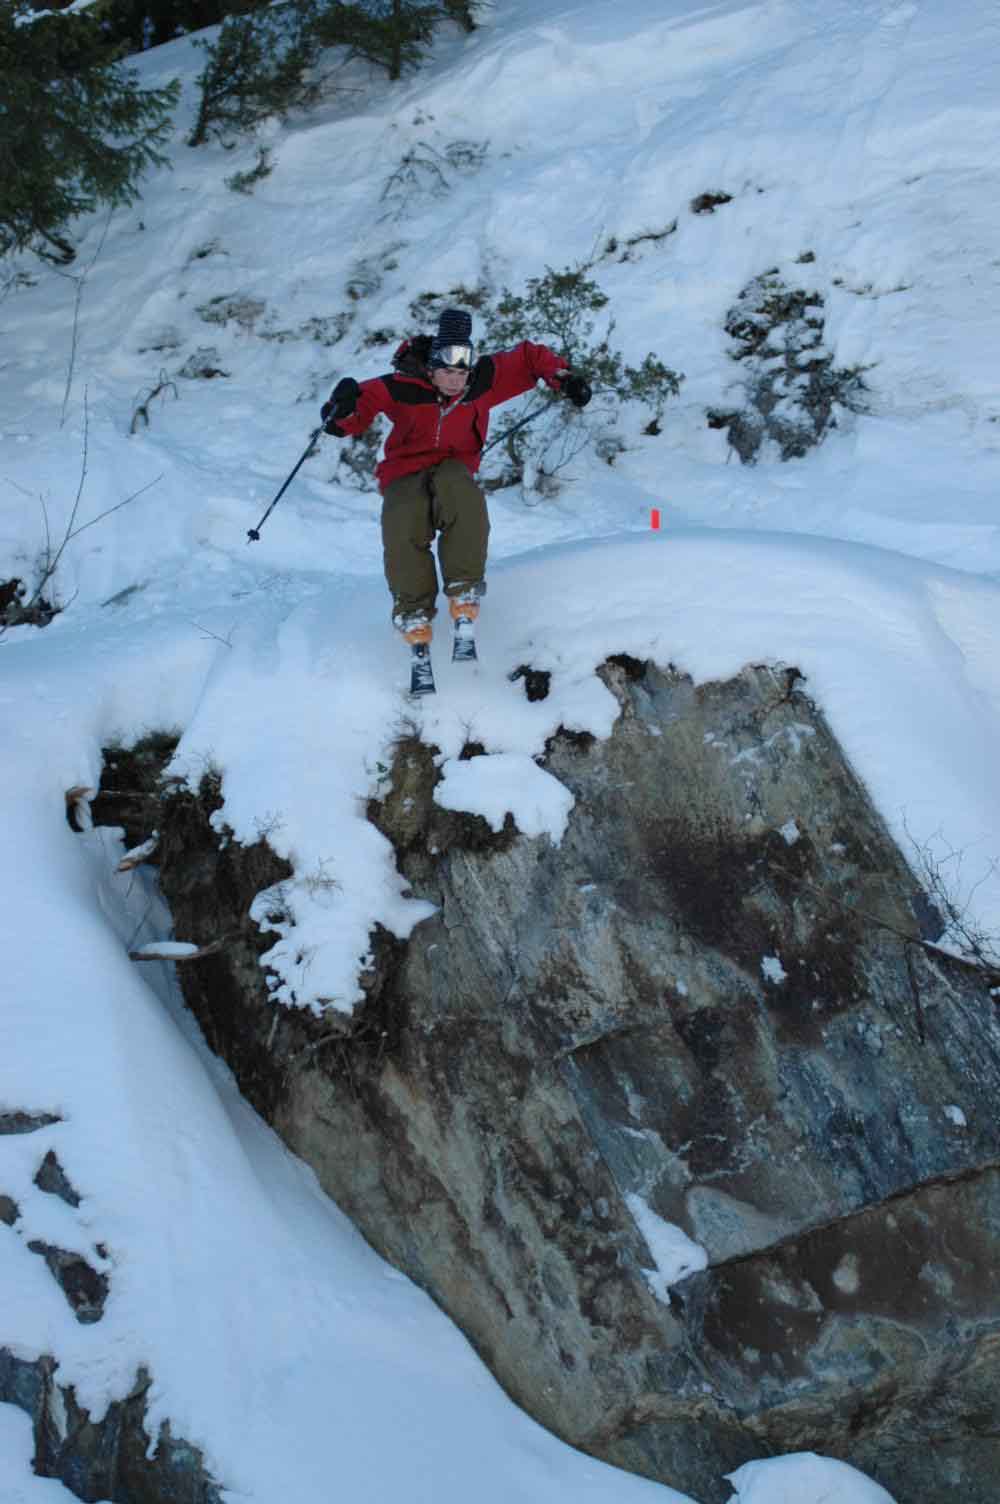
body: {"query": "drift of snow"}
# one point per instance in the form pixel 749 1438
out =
pixel 772 970
pixel 674 1253
pixel 166 950
pixel 804 1478
pixel 856 149
pixel 20 1486
pixel 507 784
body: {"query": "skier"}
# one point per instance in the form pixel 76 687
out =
pixel 438 398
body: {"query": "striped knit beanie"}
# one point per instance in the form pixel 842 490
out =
pixel 454 328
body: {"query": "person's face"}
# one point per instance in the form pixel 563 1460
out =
pixel 450 381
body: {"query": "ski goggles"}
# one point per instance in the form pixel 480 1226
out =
pixel 453 357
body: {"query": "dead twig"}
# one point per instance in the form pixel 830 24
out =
pixel 206 632
pixel 161 386
pixel 80 279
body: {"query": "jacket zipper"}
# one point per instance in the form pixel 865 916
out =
pixel 443 413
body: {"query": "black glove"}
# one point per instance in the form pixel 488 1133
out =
pixel 576 389
pixel 343 401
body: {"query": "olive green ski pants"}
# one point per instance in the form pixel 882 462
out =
pixel 443 501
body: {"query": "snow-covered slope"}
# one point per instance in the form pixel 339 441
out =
pixel 857 133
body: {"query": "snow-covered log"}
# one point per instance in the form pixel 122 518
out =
pixel 139 854
pixel 174 950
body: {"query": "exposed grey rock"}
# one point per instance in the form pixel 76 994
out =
pixel 26 1122
pixel 881 1328
pixel 52 1178
pixel 18 609
pixel 85 1288
pixel 707 203
pixel 716 996
pixel 106 1459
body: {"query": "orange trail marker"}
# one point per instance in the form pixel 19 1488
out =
pixel 654 518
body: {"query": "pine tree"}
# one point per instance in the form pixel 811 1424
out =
pixel 260 62
pixel 76 130
pixel 256 67
pixel 392 34
pixel 138 24
pixel 461 11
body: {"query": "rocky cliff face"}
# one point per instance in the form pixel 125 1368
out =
pixel 711 1010
pixel 110 1457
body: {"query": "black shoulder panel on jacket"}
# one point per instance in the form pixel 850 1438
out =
pixel 483 373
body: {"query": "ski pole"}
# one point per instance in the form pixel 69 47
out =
pixel 253 533
pixel 514 427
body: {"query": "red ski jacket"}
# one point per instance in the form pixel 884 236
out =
pixel 428 427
